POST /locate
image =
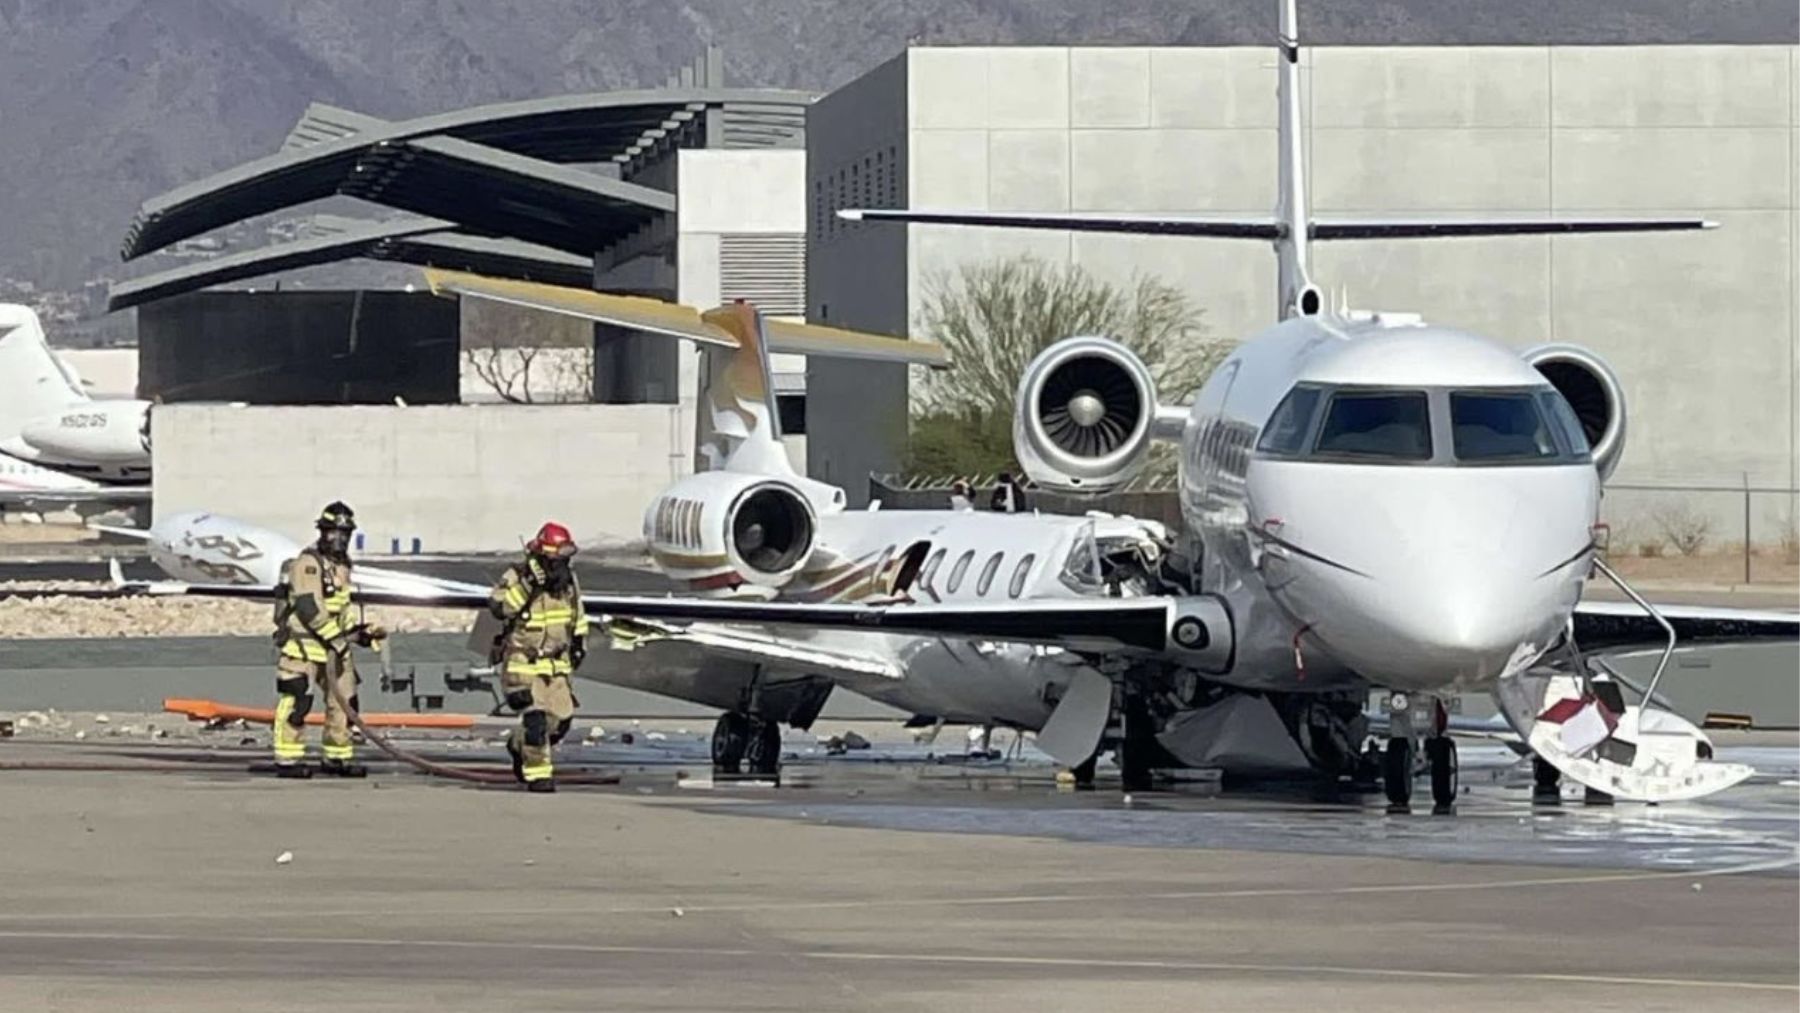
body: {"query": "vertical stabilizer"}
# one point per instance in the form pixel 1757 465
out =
pixel 33 383
pixel 740 398
pixel 1292 210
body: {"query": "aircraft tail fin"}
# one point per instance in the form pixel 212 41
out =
pixel 738 389
pixel 1291 229
pixel 33 381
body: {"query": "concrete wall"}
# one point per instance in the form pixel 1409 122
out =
pixel 460 478
pixel 1703 328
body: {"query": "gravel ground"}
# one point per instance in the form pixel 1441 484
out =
pixel 58 617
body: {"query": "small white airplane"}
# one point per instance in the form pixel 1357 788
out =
pixel 1369 501
pixel 58 446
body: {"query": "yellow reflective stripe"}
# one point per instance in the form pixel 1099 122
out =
pixel 304 650
pixel 537 771
pixel 339 752
pixel 514 596
pixel 581 623
pixel 329 630
pixel 542 666
pixel 288 743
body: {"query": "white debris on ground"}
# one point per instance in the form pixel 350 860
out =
pixel 54 617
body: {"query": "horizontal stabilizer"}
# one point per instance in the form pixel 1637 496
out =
pixel 1253 228
pixel 1436 228
pixel 1080 221
pixel 675 320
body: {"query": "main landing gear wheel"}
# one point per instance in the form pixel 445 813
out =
pixel 1397 775
pixel 1546 782
pixel 762 748
pixel 1083 773
pixel 728 742
pixel 1440 754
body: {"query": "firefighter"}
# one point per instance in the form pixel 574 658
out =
pixel 314 630
pixel 542 642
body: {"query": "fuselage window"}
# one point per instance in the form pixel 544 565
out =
pixel 931 567
pixel 1287 428
pixel 1380 426
pixel 1020 572
pixel 987 573
pixel 957 571
pixel 1499 426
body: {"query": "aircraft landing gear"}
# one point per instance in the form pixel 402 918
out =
pixel 1397 775
pixel 1546 782
pixel 1440 755
pixel 762 750
pixel 745 744
pixel 728 741
pixel 1083 773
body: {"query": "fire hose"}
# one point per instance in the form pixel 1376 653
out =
pixel 432 767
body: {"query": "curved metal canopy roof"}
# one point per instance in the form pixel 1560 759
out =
pixel 428 242
pixel 497 168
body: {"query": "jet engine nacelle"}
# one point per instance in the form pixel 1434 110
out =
pixel 730 534
pixel 1593 391
pixel 92 432
pixel 1086 416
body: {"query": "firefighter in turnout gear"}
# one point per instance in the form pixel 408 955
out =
pixel 314 630
pixel 542 643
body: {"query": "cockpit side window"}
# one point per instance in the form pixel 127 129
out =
pixel 1499 426
pixel 1565 421
pixel 1393 425
pixel 1288 428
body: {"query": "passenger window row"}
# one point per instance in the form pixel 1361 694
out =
pixel 1015 588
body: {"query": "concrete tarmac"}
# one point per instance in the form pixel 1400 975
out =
pixel 163 891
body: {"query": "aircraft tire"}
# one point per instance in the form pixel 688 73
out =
pixel 1440 752
pixel 1397 774
pixel 728 742
pixel 1546 781
pixel 762 747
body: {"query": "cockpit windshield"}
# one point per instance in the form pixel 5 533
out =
pixel 1392 424
pixel 1499 427
pixel 1435 426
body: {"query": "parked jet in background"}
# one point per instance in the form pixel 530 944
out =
pixel 60 446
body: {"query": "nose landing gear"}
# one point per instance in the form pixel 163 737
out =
pixel 1401 757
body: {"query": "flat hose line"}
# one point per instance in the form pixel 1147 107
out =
pixel 436 769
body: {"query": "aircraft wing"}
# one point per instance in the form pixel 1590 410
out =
pixel 1138 625
pixel 749 645
pixel 1622 624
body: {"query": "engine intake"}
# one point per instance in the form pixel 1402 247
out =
pixel 771 529
pixel 1592 389
pixel 734 534
pixel 1085 417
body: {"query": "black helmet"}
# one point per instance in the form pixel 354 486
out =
pixel 337 517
